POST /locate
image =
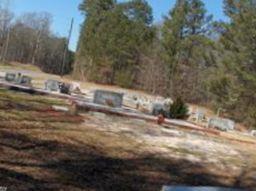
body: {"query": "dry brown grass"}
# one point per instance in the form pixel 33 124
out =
pixel 46 150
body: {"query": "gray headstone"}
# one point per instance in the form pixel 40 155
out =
pixel 108 98
pixel 52 85
pixel 24 80
pixel 200 115
pixel 160 108
pixel 222 124
pixel 10 77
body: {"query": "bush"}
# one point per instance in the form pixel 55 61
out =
pixel 179 110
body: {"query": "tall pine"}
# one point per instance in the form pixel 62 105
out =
pixel 235 85
pixel 112 37
pixel 187 47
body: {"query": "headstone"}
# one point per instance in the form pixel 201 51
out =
pixel 142 106
pixel 52 85
pixel 108 98
pixel 24 81
pixel 200 115
pixel 65 88
pixel 162 107
pixel 158 108
pixel 10 77
pixel 2 75
pixel 253 133
pixel 221 124
pixel 18 79
pixel 75 87
pixel 191 188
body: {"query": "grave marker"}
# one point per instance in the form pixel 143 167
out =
pixel 221 124
pixel 10 77
pixel 52 85
pixel 24 81
pixel 108 98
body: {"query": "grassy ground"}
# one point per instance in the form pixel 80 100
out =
pixel 11 65
pixel 46 150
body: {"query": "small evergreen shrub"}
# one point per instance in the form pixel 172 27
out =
pixel 179 110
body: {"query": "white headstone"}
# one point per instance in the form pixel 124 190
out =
pixel 221 124
pixel 253 133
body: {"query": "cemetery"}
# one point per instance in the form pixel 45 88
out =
pixel 114 103
pixel 128 95
pixel 123 127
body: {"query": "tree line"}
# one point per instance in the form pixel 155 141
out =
pixel 187 55
pixel 29 39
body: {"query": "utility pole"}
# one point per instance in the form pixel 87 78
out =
pixel 66 48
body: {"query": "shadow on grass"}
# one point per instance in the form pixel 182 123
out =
pixel 85 167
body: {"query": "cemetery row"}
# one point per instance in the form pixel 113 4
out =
pixel 116 100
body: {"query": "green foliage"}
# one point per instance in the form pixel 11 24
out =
pixel 238 62
pixel 179 110
pixel 185 56
pixel 50 56
pixel 187 47
pixel 113 35
pixel 124 78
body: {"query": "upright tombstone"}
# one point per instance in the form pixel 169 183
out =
pixel 2 75
pixel 221 124
pixel 56 86
pixel 200 115
pixel 65 88
pixel 24 81
pixel 253 133
pixel 158 108
pixel 52 85
pixel 18 79
pixel 10 77
pixel 108 98
pixel 162 107
pixel 75 88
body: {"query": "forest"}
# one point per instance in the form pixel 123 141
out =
pixel 29 39
pixel 188 55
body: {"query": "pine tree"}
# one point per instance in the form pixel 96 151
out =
pixel 187 47
pixel 90 46
pixel 112 37
pixel 238 66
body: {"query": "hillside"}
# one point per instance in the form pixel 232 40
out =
pixel 43 149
